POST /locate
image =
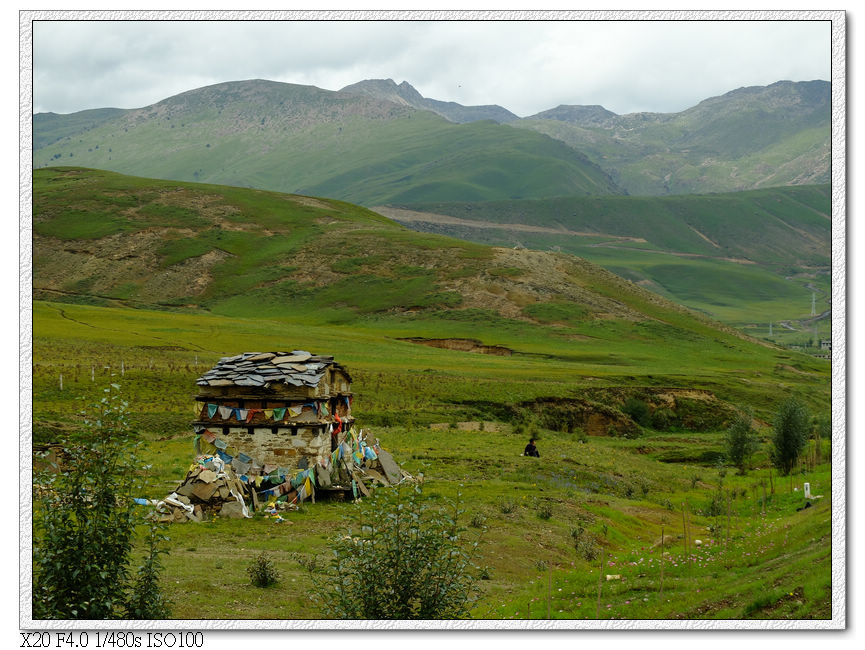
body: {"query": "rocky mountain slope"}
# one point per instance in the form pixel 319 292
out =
pixel 748 138
pixel 306 140
pixel 406 94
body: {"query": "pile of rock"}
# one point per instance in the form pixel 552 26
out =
pixel 298 368
pixel 211 488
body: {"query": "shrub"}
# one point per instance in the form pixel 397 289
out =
pixel 507 507
pixel 84 524
pixel 740 441
pixel 311 563
pixel 663 419
pixel 262 572
pixel 638 411
pixel 544 511
pixel 477 520
pixel 789 434
pixel 584 544
pixel 403 558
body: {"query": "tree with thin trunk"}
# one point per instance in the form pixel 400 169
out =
pixel 790 432
pixel 741 441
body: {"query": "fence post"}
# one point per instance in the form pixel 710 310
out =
pixel 600 577
pixel 662 561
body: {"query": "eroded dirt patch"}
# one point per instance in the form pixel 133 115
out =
pixel 463 345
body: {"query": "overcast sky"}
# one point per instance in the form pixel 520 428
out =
pixel 524 66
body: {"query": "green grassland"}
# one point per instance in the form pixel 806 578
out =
pixel 300 139
pixel 745 258
pixel 149 283
pixel 620 491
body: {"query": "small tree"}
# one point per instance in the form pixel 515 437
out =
pixel 84 522
pixel 822 431
pixel 741 441
pixel 403 558
pixel 146 600
pixel 789 434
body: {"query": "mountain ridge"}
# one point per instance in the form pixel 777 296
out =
pixel 302 139
pixel 275 136
pixel 406 93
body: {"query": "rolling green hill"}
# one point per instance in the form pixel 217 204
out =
pixel 105 239
pixel 748 138
pixel 745 258
pixel 292 138
pixel 145 283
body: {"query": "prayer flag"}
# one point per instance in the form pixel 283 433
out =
pixel 211 410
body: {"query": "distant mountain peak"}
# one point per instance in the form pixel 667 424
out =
pixel 406 94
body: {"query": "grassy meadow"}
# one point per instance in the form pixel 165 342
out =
pixel 744 258
pixel 544 526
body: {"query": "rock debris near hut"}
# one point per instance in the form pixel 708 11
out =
pixel 271 430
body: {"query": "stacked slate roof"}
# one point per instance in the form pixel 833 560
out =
pixel 259 369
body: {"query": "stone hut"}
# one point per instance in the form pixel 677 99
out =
pixel 286 409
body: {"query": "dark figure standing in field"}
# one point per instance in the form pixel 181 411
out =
pixel 531 450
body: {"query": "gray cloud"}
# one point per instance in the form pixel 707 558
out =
pixel 526 67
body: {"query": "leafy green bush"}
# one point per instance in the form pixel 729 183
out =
pixel 84 525
pixel 638 411
pixel 663 419
pixel 403 558
pixel 262 572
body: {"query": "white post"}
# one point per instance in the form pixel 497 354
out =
pixel 61 381
pixel 122 368
pixel 807 488
pixel 92 373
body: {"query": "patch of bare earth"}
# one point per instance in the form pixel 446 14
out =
pixel 99 267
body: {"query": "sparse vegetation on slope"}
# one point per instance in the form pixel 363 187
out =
pixel 302 139
pixel 748 138
pixel 746 258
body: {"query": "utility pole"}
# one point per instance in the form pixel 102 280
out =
pixel 813 304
